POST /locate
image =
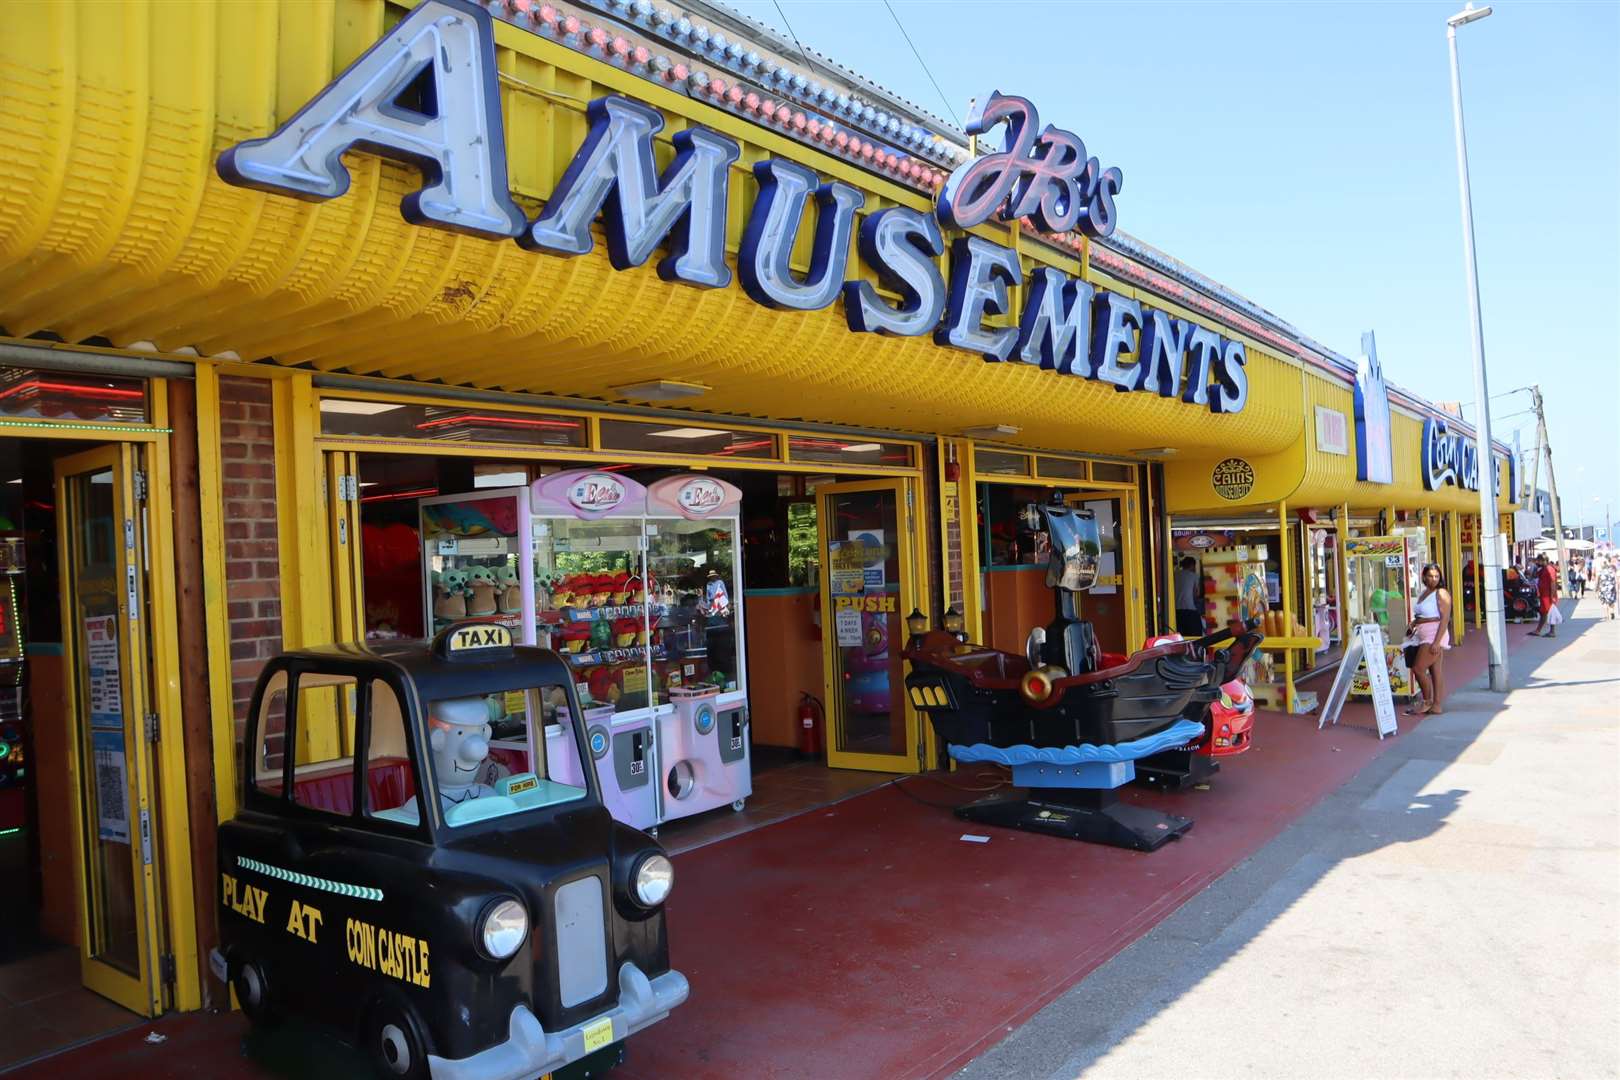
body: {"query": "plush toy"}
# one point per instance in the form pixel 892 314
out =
pixel 480 591
pixel 458 740
pixel 510 597
pixel 450 598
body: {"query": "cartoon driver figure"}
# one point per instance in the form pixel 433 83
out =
pixel 458 736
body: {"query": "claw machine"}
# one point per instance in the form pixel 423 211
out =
pixel 473 547
pixel 595 606
pixel 1384 575
pixel 694 572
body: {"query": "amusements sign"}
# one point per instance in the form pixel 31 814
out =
pixel 1043 175
pixel 1232 479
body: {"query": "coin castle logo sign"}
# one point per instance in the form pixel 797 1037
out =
pixel 427 95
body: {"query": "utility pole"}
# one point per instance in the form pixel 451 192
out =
pixel 1552 486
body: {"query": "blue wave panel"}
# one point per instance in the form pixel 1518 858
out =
pixel 1178 734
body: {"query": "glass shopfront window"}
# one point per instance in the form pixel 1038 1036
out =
pixel 851 450
pixel 30 394
pixel 673 437
pixel 1000 463
pixel 448 423
pixel 1010 535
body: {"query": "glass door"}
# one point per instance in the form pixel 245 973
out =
pixel 345 542
pixel 102 540
pixel 868 586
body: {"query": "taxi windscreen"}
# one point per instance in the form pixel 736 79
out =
pixel 483 759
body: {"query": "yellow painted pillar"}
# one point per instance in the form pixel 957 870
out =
pixel 1479 579
pixel 1284 572
pixel 1453 572
pixel 1344 575
pixel 301 524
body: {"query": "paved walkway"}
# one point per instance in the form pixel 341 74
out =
pixel 1452 911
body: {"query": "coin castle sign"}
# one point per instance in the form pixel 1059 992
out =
pixel 426 95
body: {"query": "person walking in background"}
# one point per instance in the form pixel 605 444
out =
pixel 1606 586
pixel 1547 594
pixel 1189 600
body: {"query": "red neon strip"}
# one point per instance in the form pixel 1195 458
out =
pixel 513 421
pixel 74 388
pixel 418 493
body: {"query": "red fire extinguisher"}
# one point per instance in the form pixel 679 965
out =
pixel 810 719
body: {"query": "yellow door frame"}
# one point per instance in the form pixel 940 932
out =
pixel 913 594
pixel 141 992
pixel 172 838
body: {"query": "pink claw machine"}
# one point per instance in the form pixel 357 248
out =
pixel 694 561
pixel 594 607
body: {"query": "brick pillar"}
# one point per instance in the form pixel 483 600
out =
pixel 252 570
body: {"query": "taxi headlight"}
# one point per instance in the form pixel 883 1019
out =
pixel 504 927
pixel 654 877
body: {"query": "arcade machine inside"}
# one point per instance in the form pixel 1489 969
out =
pixel 43 1003
pixel 756 571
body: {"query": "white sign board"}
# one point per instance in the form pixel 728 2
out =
pixel 1372 646
pixel 848 623
pixel 1367 641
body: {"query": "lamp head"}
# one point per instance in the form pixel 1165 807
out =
pixel 916 623
pixel 1467 15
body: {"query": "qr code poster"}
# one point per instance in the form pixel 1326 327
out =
pixel 112 786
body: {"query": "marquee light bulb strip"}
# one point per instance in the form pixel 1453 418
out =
pixel 748 99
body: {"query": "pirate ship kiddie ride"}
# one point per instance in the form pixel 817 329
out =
pixel 1070 721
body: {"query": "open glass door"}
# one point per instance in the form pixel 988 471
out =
pixel 104 627
pixel 868 586
pixel 1114 604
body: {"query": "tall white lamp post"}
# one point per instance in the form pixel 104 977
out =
pixel 1490 530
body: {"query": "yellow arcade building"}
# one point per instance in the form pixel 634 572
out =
pixel 277 279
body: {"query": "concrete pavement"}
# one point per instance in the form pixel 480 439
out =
pixel 1454 910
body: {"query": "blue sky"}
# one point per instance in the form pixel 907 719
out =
pixel 1302 154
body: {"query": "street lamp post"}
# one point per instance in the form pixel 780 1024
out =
pixel 1490 530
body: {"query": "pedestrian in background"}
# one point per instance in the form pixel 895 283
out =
pixel 1606 587
pixel 1189 600
pixel 1547 594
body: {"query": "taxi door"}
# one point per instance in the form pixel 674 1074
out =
pixel 104 631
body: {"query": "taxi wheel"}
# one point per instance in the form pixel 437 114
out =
pixel 394 1044
pixel 253 994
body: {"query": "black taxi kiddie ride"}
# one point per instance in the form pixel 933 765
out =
pixel 458 915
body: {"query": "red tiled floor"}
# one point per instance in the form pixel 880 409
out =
pixel 867 940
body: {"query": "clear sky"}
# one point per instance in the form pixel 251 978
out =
pixel 1302 154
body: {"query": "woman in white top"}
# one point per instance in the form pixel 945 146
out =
pixel 1431 628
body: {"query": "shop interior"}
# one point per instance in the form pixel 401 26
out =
pixel 44 1004
pixel 1240 565
pixel 729 604
pixel 1014 551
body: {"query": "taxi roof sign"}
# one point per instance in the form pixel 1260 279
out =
pixel 472 640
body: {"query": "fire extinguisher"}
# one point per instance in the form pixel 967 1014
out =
pixel 811 715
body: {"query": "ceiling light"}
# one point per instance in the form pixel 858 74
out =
pixel 357 408
pixel 992 431
pixel 16 481
pixel 860 448
pixel 688 433
pixel 1155 452
pixel 660 390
